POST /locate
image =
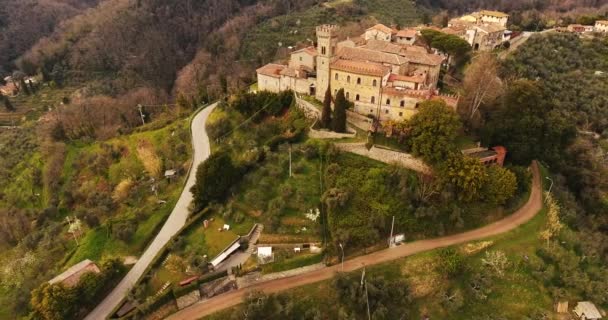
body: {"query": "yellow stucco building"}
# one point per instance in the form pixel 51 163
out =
pixel 383 78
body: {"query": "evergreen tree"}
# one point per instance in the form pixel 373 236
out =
pixel 326 113
pixel 339 118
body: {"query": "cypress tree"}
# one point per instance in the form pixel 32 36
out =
pixel 326 113
pixel 339 119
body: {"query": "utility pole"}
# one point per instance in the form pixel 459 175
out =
pixel 390 240
pixel 364 283
pixel 141 114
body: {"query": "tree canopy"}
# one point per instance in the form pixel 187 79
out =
pixel 450 44
pixel 434 130
pixel 214 177
pixel 527 125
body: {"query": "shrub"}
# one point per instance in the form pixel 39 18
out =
pixel 214 178
pixel 450 262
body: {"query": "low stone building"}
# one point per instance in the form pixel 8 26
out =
pixel 488 156
pixel 484 30
pixel 71 276
pixel 601 26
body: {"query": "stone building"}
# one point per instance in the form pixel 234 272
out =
pixel 381 76
pixel 601 26
pixel 488 156
pixel 71 277
pixel 484 30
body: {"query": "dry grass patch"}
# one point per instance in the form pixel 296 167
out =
pixel 122 190
pixel 147 155
pixel 421 275
pixel 473 248
pixel 294 221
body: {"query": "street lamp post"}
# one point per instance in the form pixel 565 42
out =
pixel 342 247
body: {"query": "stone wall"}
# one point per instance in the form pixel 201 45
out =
pixel 189 299
pixel 387 156
pixel 324 134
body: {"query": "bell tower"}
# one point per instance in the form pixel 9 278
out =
pixel 327 42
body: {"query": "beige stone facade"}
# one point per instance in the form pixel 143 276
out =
pixel 601 26
pixel 381 76
pixel 484 30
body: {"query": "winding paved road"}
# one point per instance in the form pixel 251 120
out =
pixel 523 215
pixel 177 219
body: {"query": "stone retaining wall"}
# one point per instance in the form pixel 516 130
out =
pixel 386 156
pixel 324 134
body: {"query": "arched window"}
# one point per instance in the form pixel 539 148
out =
pixel 348 79
pixel 374 99
pixel 388 102
pixel 323 50
pixel 357 97
pixel 402 104
pixel 417 105
pixel 347 95
pixel 336 76
pixel 375 83
pixel 358 80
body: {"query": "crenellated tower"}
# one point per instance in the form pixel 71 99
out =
pixel 327 41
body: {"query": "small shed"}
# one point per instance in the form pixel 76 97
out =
pixel 224 254
pixel 71 276
pixel 586 310
pixel 265 255
pixel 170 174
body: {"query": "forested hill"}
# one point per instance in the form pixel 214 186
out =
pixel 132 43
pixel 23 22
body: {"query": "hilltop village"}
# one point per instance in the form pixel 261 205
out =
pixel 382 71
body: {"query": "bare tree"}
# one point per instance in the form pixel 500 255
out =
pixel 482 86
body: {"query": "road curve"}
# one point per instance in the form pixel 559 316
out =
pixel 521 216
pixel 177 219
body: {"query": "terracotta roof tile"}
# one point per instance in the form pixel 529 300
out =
pixel 310 50
pixel 497 14
pixel 415 78
pixel 382 28
pixel 360 67
pixel 407 33
pixel 271 70
pixel 364 54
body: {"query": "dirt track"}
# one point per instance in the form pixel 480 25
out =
pixel 523 215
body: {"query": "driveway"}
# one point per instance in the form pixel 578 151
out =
pixel 523 215
pixel 177 219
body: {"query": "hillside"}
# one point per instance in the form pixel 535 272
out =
pixel 79 151
pixel 22 23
